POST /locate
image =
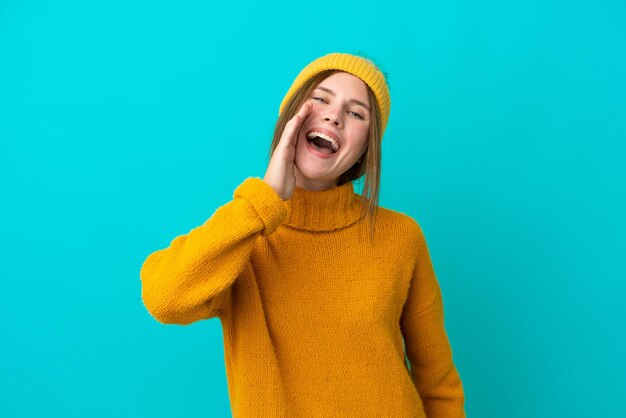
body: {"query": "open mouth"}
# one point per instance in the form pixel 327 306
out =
pixel 322 142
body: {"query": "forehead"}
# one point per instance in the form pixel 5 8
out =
pixel 342 83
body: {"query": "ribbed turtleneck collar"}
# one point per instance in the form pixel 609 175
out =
pixel 324 210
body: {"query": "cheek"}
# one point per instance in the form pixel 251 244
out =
pixel 362 135
pixel 315 108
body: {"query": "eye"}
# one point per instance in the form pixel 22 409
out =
pixel 356 115
pixel 319 99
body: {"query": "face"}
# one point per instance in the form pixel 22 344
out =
pixel 340 114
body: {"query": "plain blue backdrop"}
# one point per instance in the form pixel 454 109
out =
pixel 124 124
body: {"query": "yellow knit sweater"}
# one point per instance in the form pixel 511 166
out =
pixel 314 314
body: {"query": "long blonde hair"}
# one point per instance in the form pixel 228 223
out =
pixel 369 164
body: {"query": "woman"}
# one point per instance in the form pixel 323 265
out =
pixel 319 316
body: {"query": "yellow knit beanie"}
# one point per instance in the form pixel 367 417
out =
pixel 361 67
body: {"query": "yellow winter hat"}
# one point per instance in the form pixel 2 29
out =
pixel 361 67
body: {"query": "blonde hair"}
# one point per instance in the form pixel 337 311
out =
pixel 370 162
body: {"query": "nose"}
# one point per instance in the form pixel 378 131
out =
pixel 333 117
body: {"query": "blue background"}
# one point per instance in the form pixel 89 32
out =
pixel 126 123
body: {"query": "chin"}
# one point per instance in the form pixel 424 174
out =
pixel 312 173
pixel 311 168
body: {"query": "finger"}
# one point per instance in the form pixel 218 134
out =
pixel 299 117
pixel 305 109
pixel 302 114
pixel 293 125
pixel 291 128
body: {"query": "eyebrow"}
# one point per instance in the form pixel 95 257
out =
pixel 329 91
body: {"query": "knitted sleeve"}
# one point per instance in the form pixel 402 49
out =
pixel 427 345
pixel 190 279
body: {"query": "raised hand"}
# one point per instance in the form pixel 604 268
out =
pixel 280 173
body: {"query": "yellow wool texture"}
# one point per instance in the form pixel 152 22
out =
pixel 318 319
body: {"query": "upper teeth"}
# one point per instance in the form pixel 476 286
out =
pixel 313 134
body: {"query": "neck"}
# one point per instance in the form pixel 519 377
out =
pixel 313 184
